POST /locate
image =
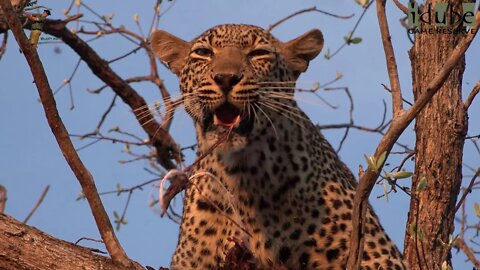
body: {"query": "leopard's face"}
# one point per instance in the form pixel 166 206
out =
pixel 233 78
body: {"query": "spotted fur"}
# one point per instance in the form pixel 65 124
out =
pixel 276 184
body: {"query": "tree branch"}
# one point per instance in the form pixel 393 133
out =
pixel 390 58
pixel 61 135
pixel 312 9
pixel 165 145
pixel 460 243
pixel 472 96
pixel 399 124
pixel 25 247
pixel 467 190
pixel 399 5
pixel 3 198
pixel 35 207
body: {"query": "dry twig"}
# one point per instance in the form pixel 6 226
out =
pixel 472 96
pixel 40 200
pixel 460 243
pixel 467 190
pixel 3 198
pixel 312 9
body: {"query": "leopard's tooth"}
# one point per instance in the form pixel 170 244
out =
pixel 215 120
pixel 236 123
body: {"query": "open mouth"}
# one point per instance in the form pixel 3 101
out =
pixel 225 117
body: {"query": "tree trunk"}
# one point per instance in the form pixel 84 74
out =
pixel 25 247
pixel 440 130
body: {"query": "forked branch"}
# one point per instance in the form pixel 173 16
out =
pixel 61 135
pixel 164 144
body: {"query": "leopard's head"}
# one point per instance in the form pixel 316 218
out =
pixel 236 78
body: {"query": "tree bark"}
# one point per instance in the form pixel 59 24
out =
pixel 440 132
pixel 25 247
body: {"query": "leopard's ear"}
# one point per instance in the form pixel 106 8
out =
pixel 170 49
pixel 298 52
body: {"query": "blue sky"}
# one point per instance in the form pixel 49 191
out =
pixel 30 158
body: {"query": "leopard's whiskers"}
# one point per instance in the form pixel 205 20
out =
pixel 289 96
pixel 288 111
pixel 268 119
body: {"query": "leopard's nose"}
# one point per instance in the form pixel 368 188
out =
pixel 226 81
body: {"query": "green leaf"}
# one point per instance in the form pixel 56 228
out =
pixel 422 184
pixel 381 160
pixel 355 40
pixel 401 175
pixel 476 207
pixel 371 162
pixel 115 214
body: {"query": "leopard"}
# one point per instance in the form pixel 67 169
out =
pixel 267 177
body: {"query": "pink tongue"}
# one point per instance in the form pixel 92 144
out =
pixel 227 114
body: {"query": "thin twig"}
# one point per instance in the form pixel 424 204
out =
pixel 460 243
pixel 105 114
pixel 125 55
pixel 89 239
pixel 106 138
pixel 130 189
pixel 3 198
pixel 349 37
pixel 40 200
pixel 472 95
pixel 390 91
pixel 312 9
pixel 390 58
pixel 3 47
pixel 467 190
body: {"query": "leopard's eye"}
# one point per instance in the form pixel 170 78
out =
pixel 258 53
pixel 203 52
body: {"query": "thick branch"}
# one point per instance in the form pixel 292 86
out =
pixel 25 247
pixel 399 123
pixel 63 138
